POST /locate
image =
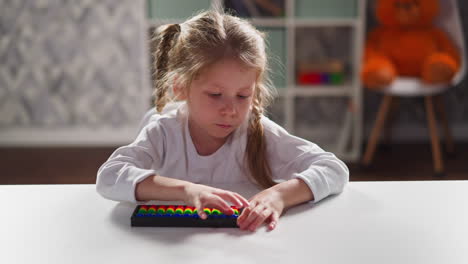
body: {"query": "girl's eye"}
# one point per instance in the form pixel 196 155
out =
pixel 214 94
pixel 243 96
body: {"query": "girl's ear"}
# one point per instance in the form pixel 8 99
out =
pixel 180 93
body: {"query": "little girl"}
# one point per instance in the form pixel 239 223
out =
pixel 215 64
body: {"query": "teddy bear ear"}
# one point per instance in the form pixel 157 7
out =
pixel 385 11
pixel 429 11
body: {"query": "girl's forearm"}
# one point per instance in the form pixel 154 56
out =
pixel 161 188
pixel 293 192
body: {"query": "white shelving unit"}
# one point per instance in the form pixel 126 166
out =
pixel 347 145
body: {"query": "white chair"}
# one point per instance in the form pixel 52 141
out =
pixel 449 20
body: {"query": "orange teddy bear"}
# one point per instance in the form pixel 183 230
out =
pixel 408 44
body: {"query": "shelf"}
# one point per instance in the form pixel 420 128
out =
pixel 276 22
pixel 163 21
pixel 299 22
pixel 326 8
pixel 169 9
pixel 268 22
pixel 321 22
pixel 331 90
pixel 311 36
pixel 310 91
pixel 276 52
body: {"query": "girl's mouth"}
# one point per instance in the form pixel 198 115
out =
pixel 224 126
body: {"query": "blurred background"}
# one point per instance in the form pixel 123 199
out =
pixel 75 82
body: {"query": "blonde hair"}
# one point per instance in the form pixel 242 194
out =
pixel 185 50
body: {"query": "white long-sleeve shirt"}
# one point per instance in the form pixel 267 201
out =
pixel 164 147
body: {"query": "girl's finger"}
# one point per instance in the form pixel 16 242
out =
pixel 262 216
pixel 230 197
pixel 219 203
pixel 245 213
pixel 273 221
pixel 253 214
pixel 197 204
pixel 245 202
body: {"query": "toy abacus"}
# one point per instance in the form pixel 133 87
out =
pixel 181 216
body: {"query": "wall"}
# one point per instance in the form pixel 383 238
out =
pixel 75 72
pixel 72 71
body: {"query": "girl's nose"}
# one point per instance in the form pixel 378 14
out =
pixel 228 107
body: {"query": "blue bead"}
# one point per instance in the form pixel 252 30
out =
pixel 325 78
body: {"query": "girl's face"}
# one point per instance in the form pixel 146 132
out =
pixel 220 98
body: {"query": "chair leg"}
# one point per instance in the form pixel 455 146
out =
pixel 377 129
pixel 390 120
pixel 440 106
pixel 436 153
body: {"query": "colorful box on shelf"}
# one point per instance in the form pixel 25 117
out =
pixel 320 78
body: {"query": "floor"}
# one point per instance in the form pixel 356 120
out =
pixel 79 165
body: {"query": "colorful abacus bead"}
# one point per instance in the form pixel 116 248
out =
pixel 188 211
pixel 179 211
pixel 207 211
pixel 195 213
pixel 216 213
pixel 142 211
pixel 170 210
pixel 152 210
pixel 235 210
pixel 161 210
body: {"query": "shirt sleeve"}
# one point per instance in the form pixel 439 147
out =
pixel 294 157
pixel 131 164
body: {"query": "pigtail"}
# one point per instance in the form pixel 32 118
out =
pixel 256 151
pixel 162 44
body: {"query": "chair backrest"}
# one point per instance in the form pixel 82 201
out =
pixel 449 20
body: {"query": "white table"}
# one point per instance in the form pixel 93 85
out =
pixel 378 222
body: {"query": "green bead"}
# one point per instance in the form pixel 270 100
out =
pixel 215 212
pixel 337 78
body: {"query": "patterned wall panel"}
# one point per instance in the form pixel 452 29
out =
pixel 67 64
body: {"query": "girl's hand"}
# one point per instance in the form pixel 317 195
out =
pixel 201 196
pixel 265 207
